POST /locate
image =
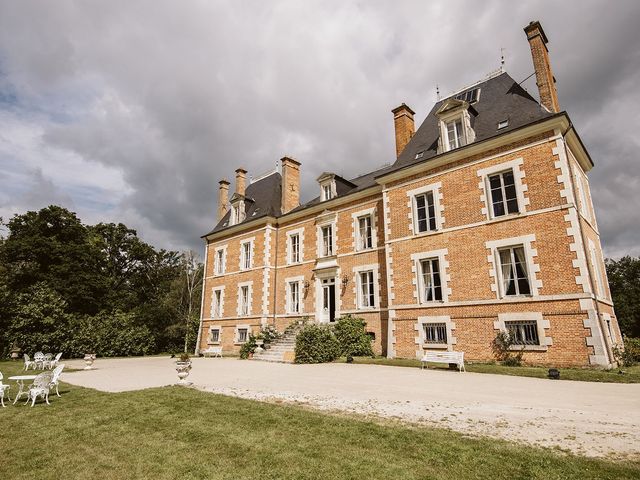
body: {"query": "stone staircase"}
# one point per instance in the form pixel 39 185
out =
pixel 282 350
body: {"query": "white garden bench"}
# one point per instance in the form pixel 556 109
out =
pixel 445 357
pixel 212 352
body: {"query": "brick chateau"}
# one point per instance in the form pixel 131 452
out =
pixel 483 223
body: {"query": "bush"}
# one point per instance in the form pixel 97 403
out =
pixel 316 344
pixel 631 353
pixel 248 347
pixel 501 346
pixel 352 337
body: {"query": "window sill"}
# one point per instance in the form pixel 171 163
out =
pixel 432 302
pixel 528 348
pixel 239 343
pixel 213 343
pixel 435 346
pixel 509 216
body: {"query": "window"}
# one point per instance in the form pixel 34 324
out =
pixel 244 300
pixel 219 262
pixel 214 335
pixel 364 237
pixel 470 96
pixel 596 269
pixel 513 271
pixel 455 134
pixel 419 155
pixel 367 292
pixel 435 333
pixel 431 288
pixel 504 198
pixel 327 192
pixel 425 212
pixel 327 240
pixel 245 261
pixel 503 124
pixel 294 245
pixel 523 332
pixel 216 304
pixel 237 214
pixel 294 297
pixel 243 335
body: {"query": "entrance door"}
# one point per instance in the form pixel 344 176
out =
pixel 329 300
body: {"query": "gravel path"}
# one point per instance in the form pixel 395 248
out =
pixel 593 419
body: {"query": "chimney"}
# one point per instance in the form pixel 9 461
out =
pixel 223 198
pixel 544 76
pixel 405 128
pixel 241 180
pixel 290 184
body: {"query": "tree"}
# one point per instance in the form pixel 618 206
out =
pixel 193 274
pixel 624 282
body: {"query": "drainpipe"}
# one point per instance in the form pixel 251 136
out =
pixel 204 276
pixel 603 331
pixel 275 277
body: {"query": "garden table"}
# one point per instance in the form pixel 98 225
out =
pixel 20 379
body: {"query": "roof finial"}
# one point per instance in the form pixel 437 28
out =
pixel 501 59
pixel 438 92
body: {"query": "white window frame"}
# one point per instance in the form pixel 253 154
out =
pixel 289 282
pixel 236 334
pixel 445 278
pixel 217 307
pixel 210 340
pixel 289 247
pixel 597 271
pixel 243 260
pixel 357 286
pixel 356 216
pixel 328 190
pixel 533 269
pixel 541 323
pixel 249 286
pixel 420 338
pixel 485 189
pixel 322 252
pixel 438 207
pixel 237 213
pixel 220 265
pixel 512 262
pixel 456 114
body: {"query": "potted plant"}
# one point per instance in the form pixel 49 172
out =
pixel 183 367
pixel 89 358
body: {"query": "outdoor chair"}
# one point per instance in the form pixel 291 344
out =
pixel 3 390
pixel 55 377
pixel 55 361
pixel 40 388
pixel 38 358
pixel 28 362
pixel 46 362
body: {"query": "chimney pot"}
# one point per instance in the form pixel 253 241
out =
pixel 241 181
pixel 544 76
pixel 404 126
pixel 290 184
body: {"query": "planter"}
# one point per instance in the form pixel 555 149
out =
pixel 259 348
pixel 89 358
pixel 183 369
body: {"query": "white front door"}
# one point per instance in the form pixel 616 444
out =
pixel 328 312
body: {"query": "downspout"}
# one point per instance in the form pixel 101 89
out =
pixel 587 255
pixel 275 276
pixel 204 277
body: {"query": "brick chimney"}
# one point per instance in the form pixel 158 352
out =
pixel 405 128
pixel 544 76
pixel 241 181
pixel 223 198
pixel 290 184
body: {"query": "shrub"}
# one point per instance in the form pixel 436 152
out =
pixel 501 346
pixel 248 347
pixel 352 337
pixel 269 333
pixel 316 344
pixel 630 355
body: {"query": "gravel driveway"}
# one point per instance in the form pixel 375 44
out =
pixel 593 419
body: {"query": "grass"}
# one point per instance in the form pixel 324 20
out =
pixel 631 375
pixel 174 432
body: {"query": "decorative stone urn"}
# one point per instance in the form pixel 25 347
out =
pixel 15 352
pixel 183 368
pixel 89 358
pixel 259 344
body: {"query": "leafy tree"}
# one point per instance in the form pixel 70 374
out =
pixel 624 282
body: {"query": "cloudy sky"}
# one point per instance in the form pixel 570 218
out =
pixel 133 110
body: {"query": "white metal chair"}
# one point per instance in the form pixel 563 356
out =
pixel 54 363
pixel 55 377
pixel 3 389
pixel 38 358
pixel 40 388
pixel 28 362
pixel 46 362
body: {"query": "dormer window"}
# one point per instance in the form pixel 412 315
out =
pixel 455 124
pixel 237 212
pixel 327 194
pixel 328 189
pixel 455 134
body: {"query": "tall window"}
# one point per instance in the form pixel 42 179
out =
pixel 327 240
pixel 219 262
pixel 214 335
pixel 425 212
pixel 431 287
pixel 435 333
pixel 327 193
pixel 504 199
pixel 513 270
pixel 294 297
pixel 246 256
pixel 216 304
pixel 244 300
pixel 455 134
pixel 596 270
pixel 365 239
pixel 523 332
pixel 243 335
pixel 294 256
pixel 367 293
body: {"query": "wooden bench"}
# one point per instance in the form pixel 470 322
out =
pixel 212 352
pixel 445 357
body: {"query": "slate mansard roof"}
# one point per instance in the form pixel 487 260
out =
pixel 500 98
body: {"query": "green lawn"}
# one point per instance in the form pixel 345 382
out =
pixel 174 432
pixel 631 375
